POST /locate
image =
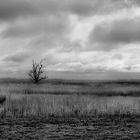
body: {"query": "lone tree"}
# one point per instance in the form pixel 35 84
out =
pixel 37 73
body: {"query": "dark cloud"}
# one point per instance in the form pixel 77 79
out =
pixel 16 58
pixel 110 35
pixel 51 25
pixel 54 14
pixel 79 7
pixel 12 9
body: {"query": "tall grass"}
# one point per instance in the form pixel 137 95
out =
pixel 80 99
pixel 70 105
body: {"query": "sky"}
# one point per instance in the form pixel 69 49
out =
pixel 77 39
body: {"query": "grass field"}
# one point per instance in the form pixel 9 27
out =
pixel 60 98
pixel 69 87
pixel 95 106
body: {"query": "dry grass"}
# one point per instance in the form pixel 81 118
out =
pixel 76 87
pixel 70 111
pixel 57 99
pixel 70 105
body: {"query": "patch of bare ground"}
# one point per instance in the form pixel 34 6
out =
pixel 110 127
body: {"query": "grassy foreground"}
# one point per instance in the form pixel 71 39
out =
pixel 70 110
pixel 70 105
pixel 70 98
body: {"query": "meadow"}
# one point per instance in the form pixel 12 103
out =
pixel 106 105
pixel 63 97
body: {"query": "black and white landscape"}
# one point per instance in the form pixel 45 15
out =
pixel 69 69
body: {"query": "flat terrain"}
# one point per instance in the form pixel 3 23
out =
pixel 99 88
pixel 84 128
pixel 66 110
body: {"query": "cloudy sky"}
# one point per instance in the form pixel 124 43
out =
pixel 77 38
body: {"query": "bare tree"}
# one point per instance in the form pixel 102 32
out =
pixel 37 73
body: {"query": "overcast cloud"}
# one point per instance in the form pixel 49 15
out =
pixel 73 36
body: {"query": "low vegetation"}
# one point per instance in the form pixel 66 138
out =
pixel 69 105
pixel 70 99
pixel 70 110
pixel 67 87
